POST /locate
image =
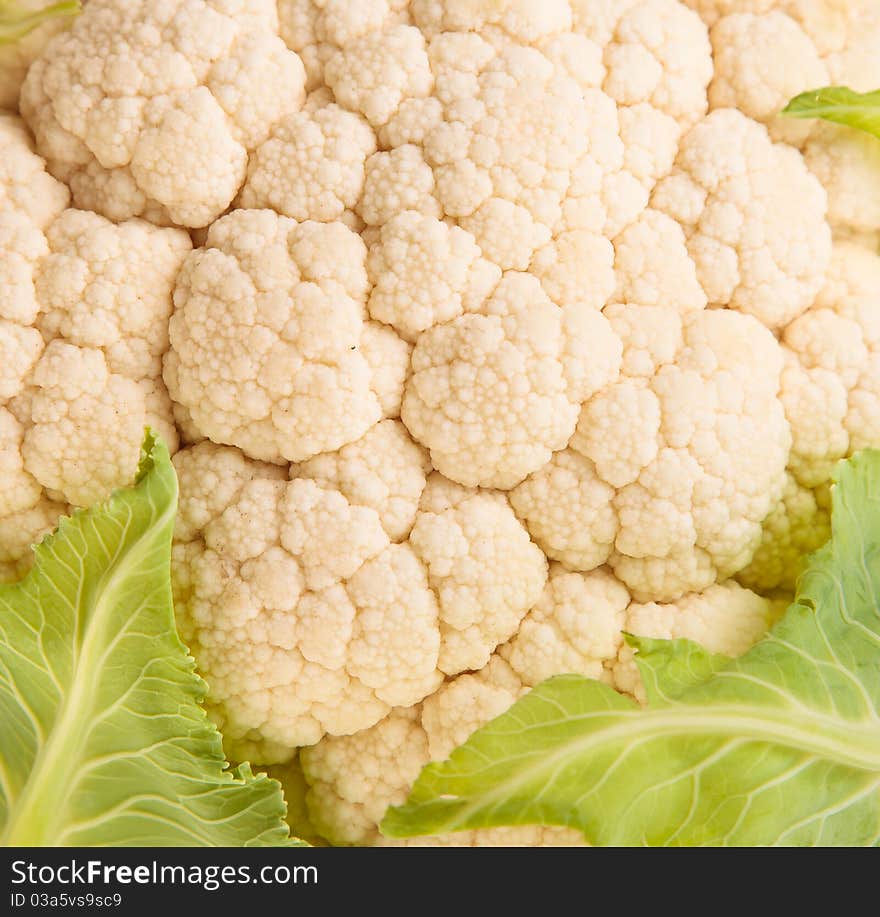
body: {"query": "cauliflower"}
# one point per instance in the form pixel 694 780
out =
pixel 266 564
pixel 312 166
pixel 116 100
pixel 768 51
pixel 694 449
pixel 575 627
pixel 494 394
pixel 831 396
pixel 83 328
pixel 489 331
pixel 847 163
pixel 735 193
pixel 265 337
pixel 761 63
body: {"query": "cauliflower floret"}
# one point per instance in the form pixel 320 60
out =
pixel 384 470
pixel 353 779
pixel 508 233
pixel 734 191
pixel 375 72
pixel 576 627
pixel 304 616
pixel 831 395
pixel 99 295
pixel 576 267
pixel 25 186
pixel 102 298
pixel 214 477
pixel 651 335
pixel 761 63
pixel 579 530
pixel 425 272
pixel 109 287
pixel 482 567
pixel 312 167
pixel 694 449
pixel 117 100
pixel 570 175
pixel 653 267
pixel 847 162
pixel 264 340
pixel 659 53
pixel 396 181
pixel 71 405
pixel 491 395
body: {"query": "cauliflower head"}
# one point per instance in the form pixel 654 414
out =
pixel 485 332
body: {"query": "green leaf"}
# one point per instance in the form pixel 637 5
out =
pixel 778 747
pixel 16 19
pixel 669 667
pixel 102 739
pixel 840 105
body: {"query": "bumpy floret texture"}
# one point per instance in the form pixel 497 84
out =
pixel 83 327
pixel 492 330
pixel 150 109
pixel 831 396
pixel 317 604
pixel 266 337
pixel 575 627
pixel 751 212
pixel 767 51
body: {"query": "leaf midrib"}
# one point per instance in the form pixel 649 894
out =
pixel 43 782
pixel 844 742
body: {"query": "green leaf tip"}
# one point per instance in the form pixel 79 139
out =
pixel 778 747
pixel 17 20
pixel 838 104
pixel 103 741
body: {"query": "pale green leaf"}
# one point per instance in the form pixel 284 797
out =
pixel 780 746
pixel 102 738
pixel 17 19
pixel 860 110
